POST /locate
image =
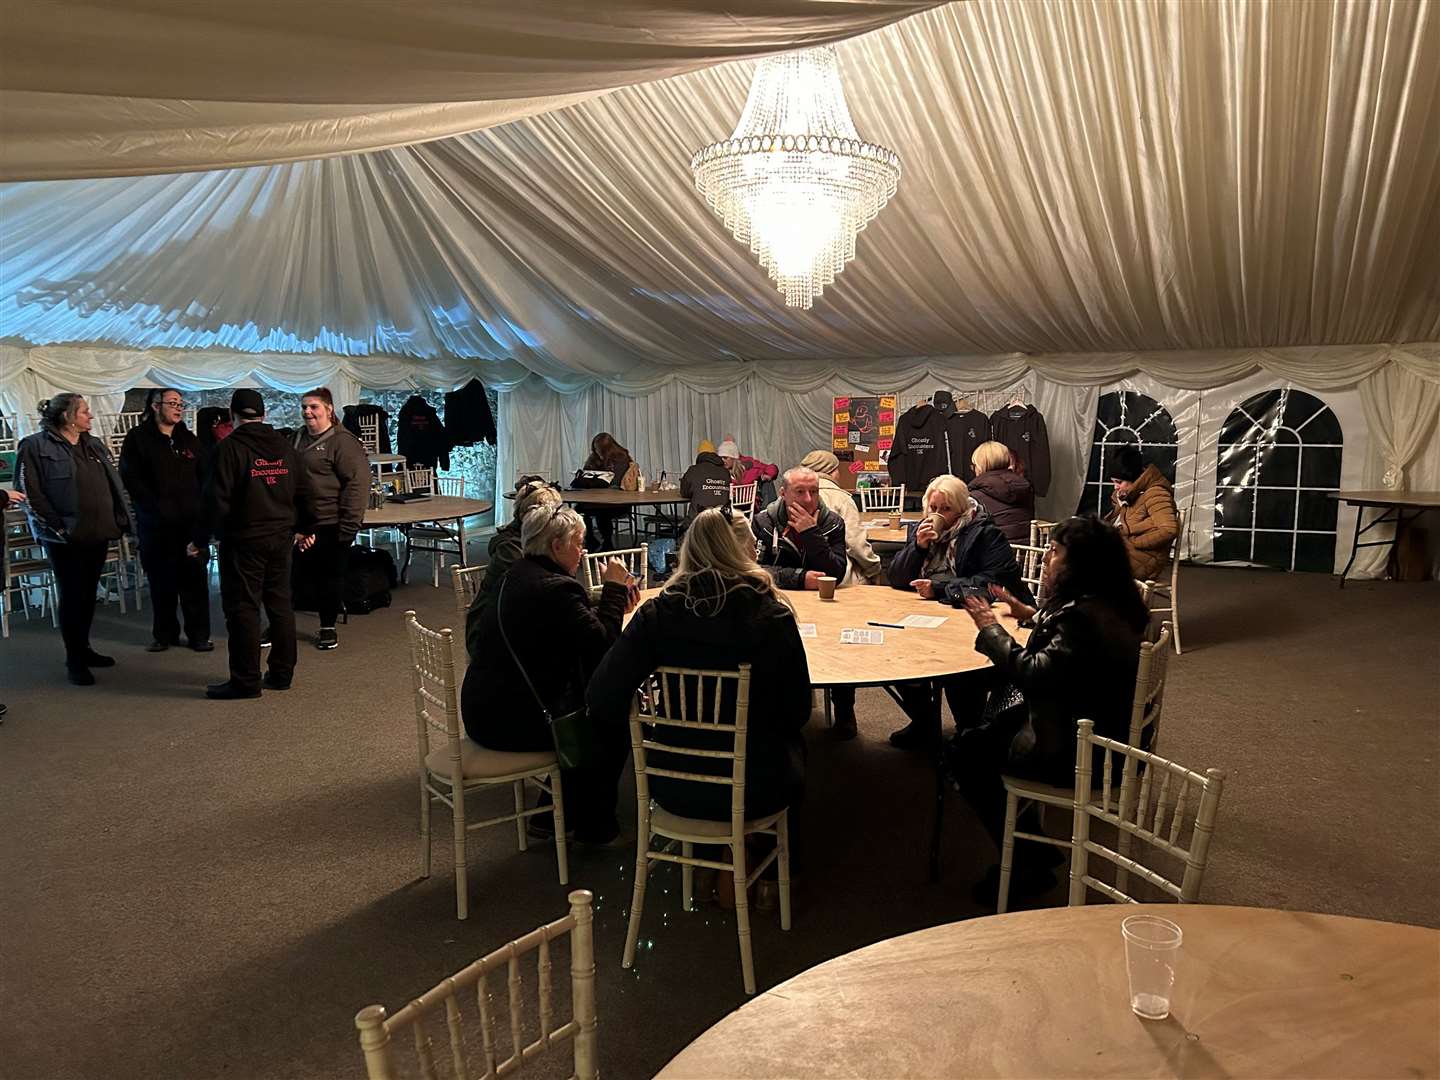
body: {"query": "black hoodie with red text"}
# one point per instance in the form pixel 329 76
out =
pixel 256 488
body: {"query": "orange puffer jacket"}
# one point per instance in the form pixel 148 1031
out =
pixel 1147 521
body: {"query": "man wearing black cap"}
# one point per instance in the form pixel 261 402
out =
pixel 257 500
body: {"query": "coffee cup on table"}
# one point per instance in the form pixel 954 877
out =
pixel 827 588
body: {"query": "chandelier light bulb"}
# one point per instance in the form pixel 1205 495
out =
pixel 795 181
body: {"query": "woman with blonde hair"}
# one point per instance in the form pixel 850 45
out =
pixel 719 610
pixel 1002 490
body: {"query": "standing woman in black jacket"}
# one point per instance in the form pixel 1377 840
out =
pixel 77 508
pixel 1080 662
pixel 160 464
pixel 558 638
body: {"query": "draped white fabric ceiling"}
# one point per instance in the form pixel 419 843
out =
pixel 1079 177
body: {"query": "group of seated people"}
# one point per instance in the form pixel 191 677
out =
pixel 725 605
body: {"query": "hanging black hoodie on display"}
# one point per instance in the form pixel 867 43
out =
pixel 468 419
pixel 423 439
pixel 966 431
pixel 1022 429
pixel 918 454
pixel 351 423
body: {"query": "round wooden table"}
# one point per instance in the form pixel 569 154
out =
pixel 614 498
pixel 437 508
pixel 1043 993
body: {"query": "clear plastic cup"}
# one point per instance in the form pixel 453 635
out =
pixel 1152 949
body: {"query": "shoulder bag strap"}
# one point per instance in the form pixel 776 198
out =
pixel 499 607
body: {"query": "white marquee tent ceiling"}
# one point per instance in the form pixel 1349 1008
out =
pixel 1078 177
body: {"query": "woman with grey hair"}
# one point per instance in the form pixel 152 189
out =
pixel 77 508
pixel 544 614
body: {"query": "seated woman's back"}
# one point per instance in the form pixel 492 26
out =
pixel 716 622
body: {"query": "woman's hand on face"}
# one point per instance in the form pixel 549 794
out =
pixel 979 612
pixel 615 571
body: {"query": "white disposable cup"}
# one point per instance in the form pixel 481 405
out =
pixel 1152 949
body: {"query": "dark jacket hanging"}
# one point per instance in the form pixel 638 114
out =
pixel 423 439
pixel 1022 429
pixel 351 423
pixel 468 419
pixel 918 454
pixel 966 431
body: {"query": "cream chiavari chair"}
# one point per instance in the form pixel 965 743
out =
pixel 742 499
pixel 1170 591
pixel 636 560
pixel 470 986
pixel 677 701
pixel 881 500
pixel 457 768
pixel 1139 811
pixel 466 580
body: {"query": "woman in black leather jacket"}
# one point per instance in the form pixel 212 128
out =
pixel 1080 662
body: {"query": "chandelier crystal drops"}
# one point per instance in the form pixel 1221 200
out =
pixel 795 181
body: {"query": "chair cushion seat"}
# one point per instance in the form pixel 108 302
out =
pixel 1041 792
pixel 667 824
pixel 476 762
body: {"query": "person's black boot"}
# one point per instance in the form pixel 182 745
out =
pixel 844 727
pixel 79 674
pixel 94 659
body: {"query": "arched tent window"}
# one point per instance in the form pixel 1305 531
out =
pixel 1278 456
pixel 1125 416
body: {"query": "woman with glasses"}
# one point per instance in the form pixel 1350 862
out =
pixel 159 463
pixel 77 510
pixel 543 631
pixel 1079 662
pixel 719 609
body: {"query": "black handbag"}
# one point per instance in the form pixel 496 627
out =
pixel 572 733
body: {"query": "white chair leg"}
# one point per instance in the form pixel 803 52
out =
pixel 425 837
pixel 1175 611
pixel 557 811
pixel 782 844
pixel 742 913
pixel 687 876
pixel 519 789
pixel 462 891
pixel 1007 851
pixel 637 899
pixel 829 720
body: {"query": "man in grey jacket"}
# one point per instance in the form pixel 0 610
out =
pixel 339 474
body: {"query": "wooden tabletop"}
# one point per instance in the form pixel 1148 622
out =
pixel 1417 499
pixel 912 653
pixel 436 508
pixel 1258 993
pixel 616 497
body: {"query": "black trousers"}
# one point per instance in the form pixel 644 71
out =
pixel 256 574
pixel 965 694
pixel 981 754
pixel 601 524
pixel 175 578
pixel 324 566
pixel 77 576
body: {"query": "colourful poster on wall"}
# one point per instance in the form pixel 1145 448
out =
pixel 862 431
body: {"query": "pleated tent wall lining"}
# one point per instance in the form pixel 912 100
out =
pixel 131 87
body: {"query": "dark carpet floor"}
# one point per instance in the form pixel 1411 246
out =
pixel 200 889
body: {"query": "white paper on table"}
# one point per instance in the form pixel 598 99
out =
pixel 862 637
pixel 923 622
pixel 807 629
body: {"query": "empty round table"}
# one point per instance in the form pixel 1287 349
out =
pixel 1258 992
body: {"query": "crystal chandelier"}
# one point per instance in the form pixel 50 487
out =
pixel 795 181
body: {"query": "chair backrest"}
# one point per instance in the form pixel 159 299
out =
pixel 1179 541
pixel 471 985
pixel 466 580
pixel 691 699
pixel 879 499
pixel 370 434
pixel 1040 531
pixel 1149 699
pixel 1141 813
pixel 453 486
pixel 742 498
pixel 418 480
pixel 636 560
pixel 9 436
pixel 432 675
pixel 1032 566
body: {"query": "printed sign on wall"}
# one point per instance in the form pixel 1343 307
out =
pixel 862 431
